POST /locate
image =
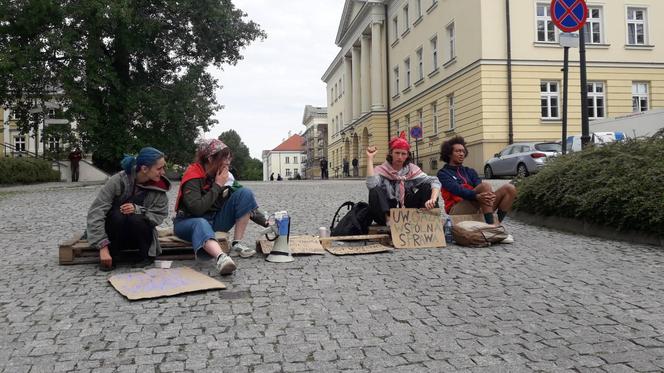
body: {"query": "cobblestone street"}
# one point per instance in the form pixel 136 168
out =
pixel 549 302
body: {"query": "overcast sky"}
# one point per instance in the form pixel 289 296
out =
pixel 265 93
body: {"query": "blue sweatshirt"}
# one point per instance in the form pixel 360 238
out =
pixel 452 178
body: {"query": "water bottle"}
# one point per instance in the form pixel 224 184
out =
pixel 447 228
pixel 447 222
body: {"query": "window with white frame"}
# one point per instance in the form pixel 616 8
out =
pixel 339 126
pixel 639 96
pixel 336 89
pixel 636 26
pixel 434 53
pixel 334 128
pixel 451 107
pixel 451 42
pixel 288 172
pixel 396 80
pixel 340 87
pixel 546 30
pixel 420 117
pixel 395 27
pixel 434 118
pixel 406 68
pixel 19 143
pixel 418 8
pixel 420 64
pixel 53 144
pixel 341 119
pixel 593 29
pixel 406 26
pixel 295 160
pixel 287 160
pixel 549 97
pixel 596 100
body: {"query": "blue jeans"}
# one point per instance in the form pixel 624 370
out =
pixel 198 230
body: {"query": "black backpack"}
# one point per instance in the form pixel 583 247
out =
pixel 355 222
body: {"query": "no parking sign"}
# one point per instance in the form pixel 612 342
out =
pixel 569 15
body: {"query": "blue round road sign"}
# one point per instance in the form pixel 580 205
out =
pixel 569 15
pixel 416 132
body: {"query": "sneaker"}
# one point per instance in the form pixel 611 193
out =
pixel 243 250
pixel 259 217
pixel 225 265
pixel 509 239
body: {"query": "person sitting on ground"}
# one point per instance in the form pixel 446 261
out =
pixel 128 208
pixel 398 182
pixel 209 201
pixel 462 189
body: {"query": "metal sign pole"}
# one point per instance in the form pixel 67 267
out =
pixel 585 128
pixel 565 89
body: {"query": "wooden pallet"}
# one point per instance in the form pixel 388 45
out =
pixel 383 239
pixel 77 250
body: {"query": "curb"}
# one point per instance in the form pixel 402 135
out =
pixel 588 229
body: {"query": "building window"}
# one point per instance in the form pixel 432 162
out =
pixel 452 111
pixel 406 67
pixel 287 160
pixel 549 95
pixel 333 127
pixel 639 96
pixel 451 42
pixel 19 143
pixel 50 114
pixel 546 30
pixel 420 119
pixel 636 26
pixel 396 125
pixel 420 65
pixel 53 144
pixel 341 119
pixel 295 160
pixel 395 27
pixel 593 27
pixel 336 89
pixel 288 172
pixel 434 116
pixel 407 120
pixel 396 80
pixel 14 115
pixel 434 53
pixel 418 8
pixel 340 87
pixel 406 26
pixel 595 100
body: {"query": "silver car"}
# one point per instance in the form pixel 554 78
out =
pixel 521 159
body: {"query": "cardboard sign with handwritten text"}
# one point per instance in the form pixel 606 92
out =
pixel 416 228
pixel 157 282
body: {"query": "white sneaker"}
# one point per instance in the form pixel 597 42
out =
pixel 509 239
pixel 225 265
pixel 243 250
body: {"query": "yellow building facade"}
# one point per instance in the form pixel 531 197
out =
pixel 448 66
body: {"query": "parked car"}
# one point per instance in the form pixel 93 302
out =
pixel 521 159
pixel 596 138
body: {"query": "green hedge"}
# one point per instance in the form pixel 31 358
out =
pixel 620 185
pixel 26 171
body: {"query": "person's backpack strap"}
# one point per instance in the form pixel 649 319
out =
pixel 348 205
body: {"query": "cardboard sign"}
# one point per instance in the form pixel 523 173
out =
pixel 358 250
pixel 416 228
pixel 298 245
pixel 156 282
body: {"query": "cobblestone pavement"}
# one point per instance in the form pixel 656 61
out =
pixel 549 302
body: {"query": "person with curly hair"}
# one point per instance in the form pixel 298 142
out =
pixel 462 189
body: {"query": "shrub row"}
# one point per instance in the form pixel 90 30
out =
pixel 26 171
pixel 620 185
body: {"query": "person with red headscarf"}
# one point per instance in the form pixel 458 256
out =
pixel 398 182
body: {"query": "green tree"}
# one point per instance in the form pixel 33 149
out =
pixel 247 168
pixel 130 73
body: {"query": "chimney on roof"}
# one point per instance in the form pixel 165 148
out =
pixel 289 133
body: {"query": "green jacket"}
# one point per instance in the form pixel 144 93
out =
pixel 117 189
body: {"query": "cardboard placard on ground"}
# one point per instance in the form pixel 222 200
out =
pixel 416 228
pixel 157 282
pixel 298 245
pixel 356 250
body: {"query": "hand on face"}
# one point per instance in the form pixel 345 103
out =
pixel 222 175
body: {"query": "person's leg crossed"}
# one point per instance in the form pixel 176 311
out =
pixel 240 203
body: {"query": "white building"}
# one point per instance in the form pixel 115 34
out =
pixel 286 160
